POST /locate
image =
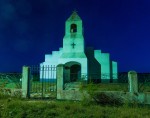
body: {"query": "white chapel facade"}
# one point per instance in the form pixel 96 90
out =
pixel 80 62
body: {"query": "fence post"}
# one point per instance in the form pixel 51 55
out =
pixel 133 82
pixel 25 82
pixel 60 80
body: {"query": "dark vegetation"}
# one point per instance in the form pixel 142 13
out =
pixel 22 108
pixel 98 105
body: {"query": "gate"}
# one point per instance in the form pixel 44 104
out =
pixel 42 82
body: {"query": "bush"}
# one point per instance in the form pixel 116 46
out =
pixel 98 97
pixel 106 99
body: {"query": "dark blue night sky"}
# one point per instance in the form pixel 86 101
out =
pixel 29 29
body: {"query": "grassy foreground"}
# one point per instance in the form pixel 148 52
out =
pixel 21 108
pixel 17 108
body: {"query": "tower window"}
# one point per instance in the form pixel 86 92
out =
pixel 73 28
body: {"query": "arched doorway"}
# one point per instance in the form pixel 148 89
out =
pixel 72 72
pixel 75 73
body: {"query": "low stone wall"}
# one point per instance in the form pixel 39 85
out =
pixel 72 91
pixel 144 98
pixel 141 98
pixel 11 92
pixel 69 95
pixel 75 94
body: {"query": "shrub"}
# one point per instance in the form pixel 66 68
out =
pixel 106 99
pixel 98 97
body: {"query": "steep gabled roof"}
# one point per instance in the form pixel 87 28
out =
pixel 74 17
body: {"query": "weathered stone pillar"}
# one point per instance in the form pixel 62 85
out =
pixel 60 80
pixel 133 82
pixel 25 82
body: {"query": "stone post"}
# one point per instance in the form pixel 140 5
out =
pixel 25 82
pixel 60 80
pixel 133 82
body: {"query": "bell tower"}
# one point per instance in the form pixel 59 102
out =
pixel 73 41
pixel 73 56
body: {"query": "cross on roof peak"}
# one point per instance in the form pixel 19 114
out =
pixel 75 11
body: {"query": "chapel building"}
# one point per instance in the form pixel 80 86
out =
pixel 80 62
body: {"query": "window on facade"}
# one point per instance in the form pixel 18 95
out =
pixel 73 28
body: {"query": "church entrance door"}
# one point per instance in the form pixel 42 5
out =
pixel 72 72
pixel 75 73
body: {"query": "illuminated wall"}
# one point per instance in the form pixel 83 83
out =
pixel 104 60
pixel 114 71
pixel 94 64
